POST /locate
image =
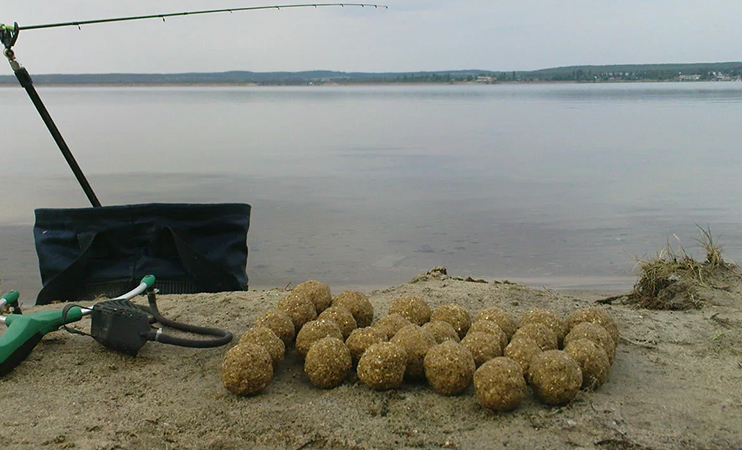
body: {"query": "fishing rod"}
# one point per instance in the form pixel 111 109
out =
pixel 193 13
pixel 9 35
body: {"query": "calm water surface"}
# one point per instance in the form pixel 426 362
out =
pixel 555 185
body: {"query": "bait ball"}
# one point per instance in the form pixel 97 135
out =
pixel 328 363
pixel 280 323
pixel 544 337
pixel 361 339
pixel 522 349
pixel 412 308
pixel 298 307
pixel 500 317
pixel 593 362
pixel 500 385
pixel 449 368
pixel 342 318
pixel 457 316
pixel 555 377
pixel 595 315
pixel 391 324
pixel 382 366
pixel 358 305
pixel 314 331
pixel 318 293
pixel 549 318
pixel 595 333
pixel 266 338
pixel 247 369
pixel 416 342
pixel 442 331
pixel 491 327
pixel 483 346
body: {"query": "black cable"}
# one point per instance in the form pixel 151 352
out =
pixel 223 336
pixel 66 311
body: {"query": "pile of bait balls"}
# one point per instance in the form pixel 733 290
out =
pixel 444 346
pixel 309 318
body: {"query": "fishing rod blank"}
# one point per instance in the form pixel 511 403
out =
pixel 193 13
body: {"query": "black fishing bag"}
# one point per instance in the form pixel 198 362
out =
pixel 89 252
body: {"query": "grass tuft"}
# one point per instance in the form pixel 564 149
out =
pixel 713 251
pixel 673 273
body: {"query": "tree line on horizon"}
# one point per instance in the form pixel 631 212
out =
pixel 628 72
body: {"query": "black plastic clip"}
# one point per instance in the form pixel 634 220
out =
pixel 8 35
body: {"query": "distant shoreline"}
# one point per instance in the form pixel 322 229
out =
pixel 7 84
pixel 622 73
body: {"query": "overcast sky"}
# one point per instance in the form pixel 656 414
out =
pixel 411 35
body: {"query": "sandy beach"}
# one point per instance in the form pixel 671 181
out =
pixel 674 385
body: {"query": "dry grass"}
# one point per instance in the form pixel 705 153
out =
pixel 669 279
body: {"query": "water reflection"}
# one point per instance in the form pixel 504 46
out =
pixel 368 186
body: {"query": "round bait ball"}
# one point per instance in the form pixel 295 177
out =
pixel 455 315
pixel 416 342
pixel 361 339
pixel 595 333
pixel 491 327
pixel 391 324
pixel 549 318
pixel 342 318
pixel 328 363
pixel 597 316
pixel 442 331
pixel 314 331
pixel 593 362
pixel 500 385
pixel 544 337
pixel 382 366
pixel 500 317
pixel 483 346
pixel 449 368
pixel 247 369
pixel 412 308
pixel 267 338
pixel 280 323
pixel 522 349
pixel 358 305
pixel 318 293
pixel 298 307
pixel 555 377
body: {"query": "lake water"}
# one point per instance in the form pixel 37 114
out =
pixel 554 185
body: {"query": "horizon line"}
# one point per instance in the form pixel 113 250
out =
pixel 392 71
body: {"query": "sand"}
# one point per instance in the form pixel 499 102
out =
pixel 675 384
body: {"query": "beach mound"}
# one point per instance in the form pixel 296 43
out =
pixel 673 280
pixel 688 288
pixel 674 384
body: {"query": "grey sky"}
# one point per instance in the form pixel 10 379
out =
pixel 411 35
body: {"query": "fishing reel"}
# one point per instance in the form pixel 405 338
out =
pixel 8 36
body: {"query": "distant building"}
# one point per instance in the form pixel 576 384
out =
pixel 682 77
